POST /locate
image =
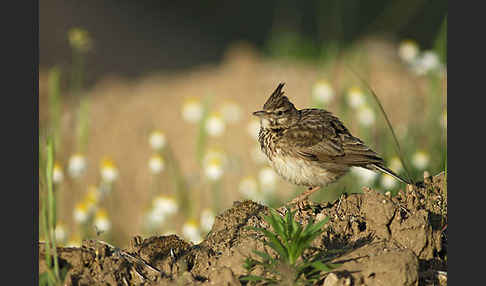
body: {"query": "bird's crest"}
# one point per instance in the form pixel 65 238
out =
pixel 277 99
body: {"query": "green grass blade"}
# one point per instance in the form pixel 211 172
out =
pixel 323 267
pixel 83 125
pixel 263 255
pixel 202 134
pixel 51 205
pixel 276 245
pixel 273 242
pixel 256 278
pixel 54 90
pixel 316 227
pixel 397 144
pixel 276 225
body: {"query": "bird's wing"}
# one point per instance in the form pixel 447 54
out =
pixel 320 136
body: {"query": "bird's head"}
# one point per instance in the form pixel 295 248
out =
pixel 278 112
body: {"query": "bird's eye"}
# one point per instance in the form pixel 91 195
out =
pixel 280 112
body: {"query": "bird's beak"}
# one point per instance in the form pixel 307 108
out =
pixel 260 113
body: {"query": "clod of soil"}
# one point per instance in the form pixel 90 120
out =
pixel 377 240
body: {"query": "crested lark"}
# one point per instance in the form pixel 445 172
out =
pixel 311 147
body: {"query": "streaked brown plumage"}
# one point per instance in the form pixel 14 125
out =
pixel 311 147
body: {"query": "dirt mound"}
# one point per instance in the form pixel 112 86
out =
pixel 377 239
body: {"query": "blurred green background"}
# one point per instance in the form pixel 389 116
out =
pixel 138 37
pixel 147 104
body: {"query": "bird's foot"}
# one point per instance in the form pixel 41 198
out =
pixel 304 195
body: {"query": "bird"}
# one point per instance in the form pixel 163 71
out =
pixel 311 147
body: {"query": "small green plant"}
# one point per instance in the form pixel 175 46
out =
pixel 289 240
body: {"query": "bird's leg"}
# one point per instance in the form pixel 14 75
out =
pixel 305 194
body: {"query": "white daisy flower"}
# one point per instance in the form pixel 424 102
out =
pixel 322 92
pixel 166 205
pixel 268 180
pixel 60 233
pixel 426 62
pixel 214 169
pixel 408 51
pixel 215 125
pixel 420 160
pixel 80 213
pixel 57 173
pixel 190 230
pixel 365 176
pixel 156 164
pixel 101 221
pixel 77 165
pixel 214 153
pixel 355 97
pixel 157 140
pixel 192 110
pixel 248 187
pixel 207 219
pixel 396 165
pixel 92 198
pixel 109 172
pixel 366 116
pixel 155 217
pixel 388 181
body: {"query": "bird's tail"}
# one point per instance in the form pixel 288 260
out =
pixel 385 170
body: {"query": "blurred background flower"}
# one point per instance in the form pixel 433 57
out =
pixel 91 198
pixel 248 187
pixel 77 165
pixel 408 51
pixel 190 231
pixel 155 218
pixel 80 213
pixel 80 39
pixel 388 181
pixel 420 160
pixel 214 169
pixel 427 61
pixel 322 92
pixel 192 110
pixel 157 140
pixel 268 180
pixel 207 219
pixel 395 164
pixel 215 154
pixel 355 97
pixel 101 221
pixel 365 176
pixel 215 124
pixel 165 204
pixel 156 164
pixel 366 116
pixel 109 172
pixel 57 173
pixel 60 233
